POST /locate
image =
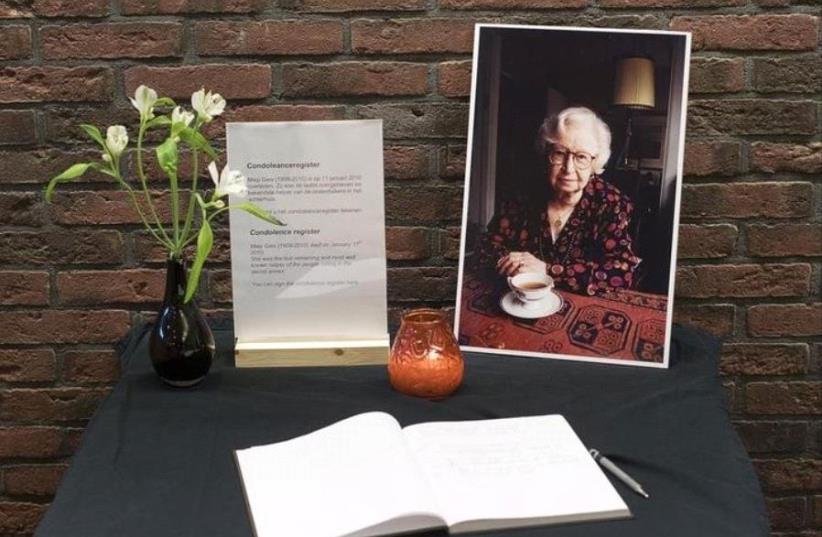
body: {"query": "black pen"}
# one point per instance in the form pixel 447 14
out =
pixel 618 473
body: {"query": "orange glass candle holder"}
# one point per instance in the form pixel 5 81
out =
pixel 425 358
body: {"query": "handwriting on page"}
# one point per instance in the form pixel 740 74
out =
pixel 493 449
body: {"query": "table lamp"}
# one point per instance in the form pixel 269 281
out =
pixel 633 90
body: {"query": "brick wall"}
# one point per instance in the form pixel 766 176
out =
pixel 76 275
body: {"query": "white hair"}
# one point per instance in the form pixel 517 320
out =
pixel 577 117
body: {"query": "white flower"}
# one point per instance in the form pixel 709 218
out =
pixel 207 105
pixel 144 99
pixel 116 139
pixel 178 115
pixel 229 182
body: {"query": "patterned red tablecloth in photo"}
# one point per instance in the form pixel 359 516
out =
pixel 624 325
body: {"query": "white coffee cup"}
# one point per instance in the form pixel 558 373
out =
pixel 531 287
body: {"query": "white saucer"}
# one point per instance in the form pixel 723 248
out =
pixel 511 305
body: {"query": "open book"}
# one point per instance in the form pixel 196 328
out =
pixel 367 476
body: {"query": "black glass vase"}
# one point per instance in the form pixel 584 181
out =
pixel 181 345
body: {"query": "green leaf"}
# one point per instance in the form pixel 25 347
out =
pixel 197 141
pixel 73 172
pixel 94 133
pixel 167 156
pixel 158 121
pixel 165 101
pixel 257 211
pixel 205 240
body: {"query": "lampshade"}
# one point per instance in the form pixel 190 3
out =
pixel 634 86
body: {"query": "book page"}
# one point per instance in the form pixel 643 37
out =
pixel 336 481
pixel 515 468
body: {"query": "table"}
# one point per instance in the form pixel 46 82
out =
pixel 158 461
pixel 621 325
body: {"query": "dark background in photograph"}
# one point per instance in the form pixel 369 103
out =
pixel 525 75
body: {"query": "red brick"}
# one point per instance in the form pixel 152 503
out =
pixel 647 21
pixel 407 243
pixel 286 112
pixel 91 287
pixel 31 442
pixel 91 367
pixel 219 283
pixel 148 250
pixel 773 436
pixel 26 365
pixel 70 8
pixel 786 513
pixel 15 9
pixel 39 165
pixel 418 120
pixel 343 6
pixel 41 480
pixel 61 248
pixel 17 127
pixel 412 36
pixel 747 200
pixel 800 74
pixel 20 518
pixel 712 117
pixel 406 162
pixel 21 209
pixel 688 4
pixel 105 207
pixel 354 78
pixel 112 40
pixel 24 288
pixel 717 75
pixel 452 162
pixel 513 4
pixel 710 241
pixel 21 84
pixel 174 7
pixel 62 123
pixel 764 359
pixel 782 240
pixel 454 79
pixel 271 37
pixel 450 243
pixel 234 81
pixel 53 404
pixel 718 319
pixel 415 284
pixel 772 157
pixel 783 475
pixel 712 158
pixel 785 320
pixel 15 42
pixel 422 205
pixel 776 280
pixel 784 397
pixel 751 32
pixel 64 326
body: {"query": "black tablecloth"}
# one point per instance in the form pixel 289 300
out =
pixel 157 461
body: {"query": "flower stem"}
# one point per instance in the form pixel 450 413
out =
pixel 191 203
pixel 167 240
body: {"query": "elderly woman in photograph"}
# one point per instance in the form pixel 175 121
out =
pixel 577 233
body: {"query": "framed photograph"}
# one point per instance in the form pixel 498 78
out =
pixel 573 185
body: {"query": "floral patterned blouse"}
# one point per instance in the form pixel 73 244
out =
pixel 592 254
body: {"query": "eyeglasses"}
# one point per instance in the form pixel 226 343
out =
pixel 558 156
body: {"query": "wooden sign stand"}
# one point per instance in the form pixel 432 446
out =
pixel 312 353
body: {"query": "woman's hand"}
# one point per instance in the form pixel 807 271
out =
pixel 518 262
